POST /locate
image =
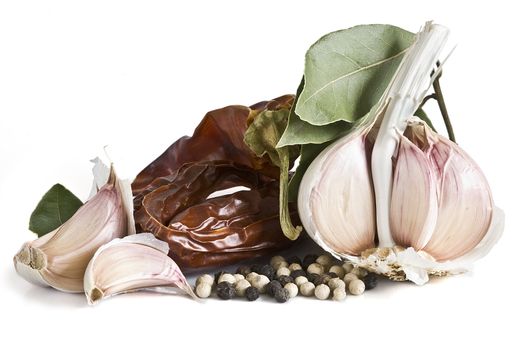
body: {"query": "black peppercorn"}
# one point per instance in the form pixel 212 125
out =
pixel 243 270
pixel 225 290
pixel 268 271
pixel 252 293
pixel 313 277
pixel 281 295
pixel 285 279
pixel 272 287
pixel 371 281
pixel 297 273
pixel 256 268
pixel 332 275
pixel 294 260
pixel 309 259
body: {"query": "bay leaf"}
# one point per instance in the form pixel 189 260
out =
pixel 347 71
pixel 54 209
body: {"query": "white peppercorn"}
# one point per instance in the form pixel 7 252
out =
pixel 241 286
pixel 227 277
pixel 260 282
pixel 276 259
pixel 322 291
pixel 338 270
pixel 356 287
pixel 203 289
pixel 238 277
pixel 315 268
pixel 283 271
pixel 280 264
pixel 292 289
pixel 251 276
pixel 336 283
pixel 205 279
pixel 300 280
pixel 294 267
pixel 339 294
pixel 347 266
pixel 324 260
pixel 360 272
pixel 349 277
pixel 307 289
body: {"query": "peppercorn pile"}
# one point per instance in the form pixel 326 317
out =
pixel 284 279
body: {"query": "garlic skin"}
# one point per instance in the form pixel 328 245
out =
pixel 59 259
pixel 345 225
pixel 459 205
pixel 130 264
pixel 424 200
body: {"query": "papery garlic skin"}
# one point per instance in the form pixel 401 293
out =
pixel 459 204
pixel 337 207
pixel 134 263
pixel 59 259
pixel 434 213
pixel 403 96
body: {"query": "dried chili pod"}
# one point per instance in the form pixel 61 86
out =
pixel 219 136
pixel 203 231
pixel 171 194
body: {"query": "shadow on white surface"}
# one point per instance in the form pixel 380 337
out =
pixel 41 295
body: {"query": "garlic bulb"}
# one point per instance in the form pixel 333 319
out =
pixel 133 263
pixel 59 258
pixel 395 197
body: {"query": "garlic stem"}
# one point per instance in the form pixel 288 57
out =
pixel 404 95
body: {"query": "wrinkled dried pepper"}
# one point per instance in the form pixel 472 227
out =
pixel 171 194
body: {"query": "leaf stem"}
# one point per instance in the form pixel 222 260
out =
pixel 426 98
pixel 287 227
pixel 438 96
pixel 443 109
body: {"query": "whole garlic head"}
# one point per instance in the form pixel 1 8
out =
pixel 395 197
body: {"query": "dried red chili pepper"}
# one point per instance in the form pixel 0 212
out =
pixel 171 193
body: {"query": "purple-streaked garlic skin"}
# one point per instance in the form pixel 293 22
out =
pixel 441 201
pixel 134 263
pixel 59 259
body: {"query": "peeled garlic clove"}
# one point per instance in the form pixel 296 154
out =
pixel 133 263
pixel 59 258
pixel 337 206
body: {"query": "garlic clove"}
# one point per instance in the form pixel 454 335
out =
pixel 465 204
pixel 59 258
pixel 341 202
pixel 414 202
pixel 483 248
pixel 133 263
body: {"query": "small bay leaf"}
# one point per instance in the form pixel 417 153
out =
pixel 55 208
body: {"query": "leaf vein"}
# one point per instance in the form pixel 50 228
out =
pixel 354 72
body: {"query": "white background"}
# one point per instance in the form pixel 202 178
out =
pixel 76 76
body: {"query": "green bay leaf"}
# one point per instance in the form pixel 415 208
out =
pixel 55 208
pixel 347 71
